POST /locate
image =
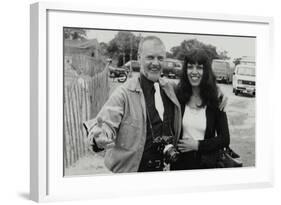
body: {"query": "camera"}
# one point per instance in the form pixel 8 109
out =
pixel 171 154
pixel 164 146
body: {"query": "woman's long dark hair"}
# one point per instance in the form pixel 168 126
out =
pixel 208 87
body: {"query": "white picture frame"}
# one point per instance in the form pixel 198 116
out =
pixel 46 179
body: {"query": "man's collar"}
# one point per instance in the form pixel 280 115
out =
pixel 134 83
pixel 161 81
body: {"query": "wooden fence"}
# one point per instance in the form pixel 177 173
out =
pixel 83 98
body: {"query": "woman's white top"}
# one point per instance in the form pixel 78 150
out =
pixel 194 123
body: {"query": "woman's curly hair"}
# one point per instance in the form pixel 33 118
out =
pixel 208 87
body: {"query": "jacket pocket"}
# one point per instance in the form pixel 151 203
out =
pixel 128 135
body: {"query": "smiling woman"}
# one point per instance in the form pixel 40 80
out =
pixel 198 79
pixel 204 127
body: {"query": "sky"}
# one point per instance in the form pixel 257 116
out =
pixel 234 45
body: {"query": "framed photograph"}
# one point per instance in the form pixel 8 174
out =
pixel 84 60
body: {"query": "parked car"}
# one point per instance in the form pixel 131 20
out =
pixel 222 70
pixel 244 79
pixel 135 65
pixel 120 73
pixel 172 68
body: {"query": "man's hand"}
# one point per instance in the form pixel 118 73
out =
pixel 223 102
pixel 99 135
pixel 222 99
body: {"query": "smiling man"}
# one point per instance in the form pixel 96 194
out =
pixel 152 54
pixel 138 116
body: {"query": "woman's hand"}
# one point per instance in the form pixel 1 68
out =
pixel 188 144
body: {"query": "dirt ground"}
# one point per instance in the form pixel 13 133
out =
pixel 241 119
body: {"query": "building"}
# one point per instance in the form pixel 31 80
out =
pixel 83 57
pixel 85 47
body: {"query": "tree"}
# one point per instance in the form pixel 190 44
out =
pixel 124 47
pixel 103 48
pixel 186 46
pixel 169 55
pixel 223 55
pixel 237 61
pixel 75 33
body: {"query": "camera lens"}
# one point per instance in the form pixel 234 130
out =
pixel 171 153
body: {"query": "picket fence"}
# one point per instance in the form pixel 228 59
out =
pixel 83 98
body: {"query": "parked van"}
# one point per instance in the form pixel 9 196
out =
pixel 244 79
pixel 248 60
pixel 222 70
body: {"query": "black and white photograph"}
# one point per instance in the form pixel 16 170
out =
pixel 128 102
pixel 146 101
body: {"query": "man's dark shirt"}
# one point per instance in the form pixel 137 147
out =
pixel 155 126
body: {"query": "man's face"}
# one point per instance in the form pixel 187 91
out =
pixel 152 59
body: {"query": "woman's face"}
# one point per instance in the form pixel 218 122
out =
pixel 194 74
